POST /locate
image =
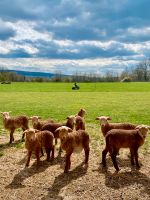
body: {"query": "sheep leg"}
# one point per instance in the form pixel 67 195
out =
pixel 52 156
pixel 42 153
pixel 104 153
pixel 60 150
pixel 132 157
pixel 136 159
pixel 113 157
pixel 23 136
pixel 55 141
pixel 28 159
pixel 11 136
pixel 86 150
pixel 48 153
pixel 37 156
pixel 68 162
pixel 24 128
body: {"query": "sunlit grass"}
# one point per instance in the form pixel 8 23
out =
pixel 124 102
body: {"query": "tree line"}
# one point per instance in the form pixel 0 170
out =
pixel 140 73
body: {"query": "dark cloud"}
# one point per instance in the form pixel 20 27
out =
pixel 6 33
pixel 20 53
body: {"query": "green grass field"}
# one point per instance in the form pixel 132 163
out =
pixel 84 87
pixel 124 102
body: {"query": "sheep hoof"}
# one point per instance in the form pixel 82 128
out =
pixel 138 167
pixel 103 164
pixel 66 170
pixel 117 170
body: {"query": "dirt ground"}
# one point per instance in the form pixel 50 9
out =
pixel 48 182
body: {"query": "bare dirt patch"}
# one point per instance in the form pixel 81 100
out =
pixel 48 182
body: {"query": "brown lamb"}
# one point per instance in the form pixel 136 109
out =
pixel 35 140
pixel 38 124
pixel 82 112
pixel 106 126
pixel 80 121
pixel 53 126
pixel 73 141
pixel 119 138
pixel 12 123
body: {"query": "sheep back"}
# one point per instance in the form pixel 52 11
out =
pixel 110 126
pixel 16 122
pixel 120 138
pixel 75 139
pixel 39 139
pixel 52 127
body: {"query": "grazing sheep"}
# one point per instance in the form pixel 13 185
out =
pixel 119 138
pixel 37 123
pixel 73 141
pixel 81 112
pixel 106 126
pixel 35 140
pixel 12 123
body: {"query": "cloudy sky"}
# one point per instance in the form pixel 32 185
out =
pixel 92 36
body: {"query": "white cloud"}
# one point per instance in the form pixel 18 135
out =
pixel 8 46
pixel 25 30
pixel 66 22
pixel 67 66
pixel 145 31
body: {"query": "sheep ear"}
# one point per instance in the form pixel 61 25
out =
pixel 148 127
pixel 108 118
pixel 35 130
pixel 25 132
pixel 69 130
pixel 56 131
pixel 97 118
pixel 138 127
pixel 69 117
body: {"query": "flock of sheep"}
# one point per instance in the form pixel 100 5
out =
pixel 74 138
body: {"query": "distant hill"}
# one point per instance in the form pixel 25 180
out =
pixel 33 74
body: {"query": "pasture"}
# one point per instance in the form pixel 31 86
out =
pixel 123 102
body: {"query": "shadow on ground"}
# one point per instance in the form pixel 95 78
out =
pixel 127 178
pixel 7 145
pixel 63 180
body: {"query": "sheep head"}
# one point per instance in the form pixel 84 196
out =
pixel 35 119
pixel 103 120
pixel 71 120
pixel 30 134
pixel 82 112
pixel 6 115
pixel 63 131
pixel 143 129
